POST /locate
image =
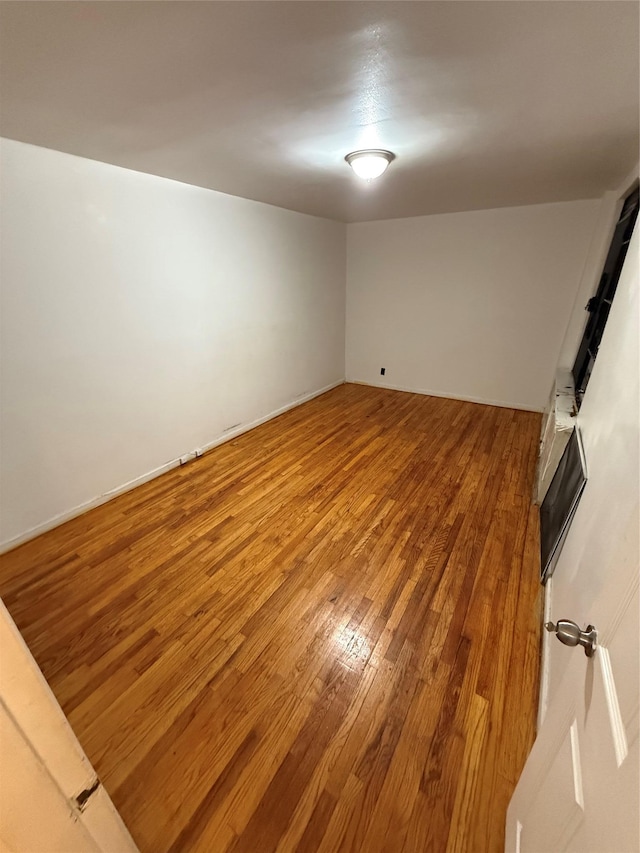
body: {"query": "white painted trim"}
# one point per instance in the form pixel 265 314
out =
pixel 578 791
pixel 544 661
pixel 518 836
pixel 618 732
pixel 150 475
pixel 501 403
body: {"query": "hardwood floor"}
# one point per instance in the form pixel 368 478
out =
pixel 322 636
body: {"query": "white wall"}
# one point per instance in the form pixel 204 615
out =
pixel 470 305
pixel 142 318
pixel 609 208
pixel 609 423
pixel 596 577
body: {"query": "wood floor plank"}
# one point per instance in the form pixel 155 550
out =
pixel 321 636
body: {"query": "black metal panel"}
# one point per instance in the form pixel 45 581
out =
pixel 560 502
pixel 600 304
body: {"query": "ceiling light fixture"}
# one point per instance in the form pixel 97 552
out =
pixel 370 163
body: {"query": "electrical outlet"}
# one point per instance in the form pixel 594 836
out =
pixel 382 370
pixel 189 456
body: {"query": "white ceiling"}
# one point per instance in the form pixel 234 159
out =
pixel 486 104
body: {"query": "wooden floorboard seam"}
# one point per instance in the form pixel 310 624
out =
pixel 322 635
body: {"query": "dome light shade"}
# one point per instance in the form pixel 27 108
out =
pixel 369 163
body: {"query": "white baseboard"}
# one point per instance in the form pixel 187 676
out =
pixel 544 661
pixel 233 433
pixel 57 520
pixel 501 403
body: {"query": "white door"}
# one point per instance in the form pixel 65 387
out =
pixel 50 798
pixel 579 789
